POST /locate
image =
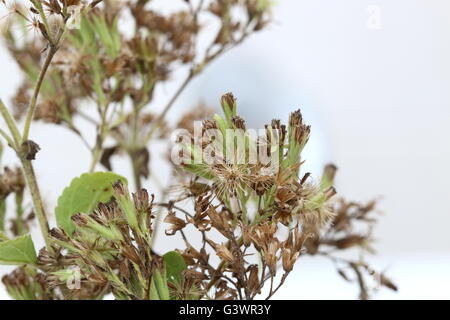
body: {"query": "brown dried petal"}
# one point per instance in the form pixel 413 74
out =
pixel 176 223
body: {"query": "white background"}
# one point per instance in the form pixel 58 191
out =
pixel 379 103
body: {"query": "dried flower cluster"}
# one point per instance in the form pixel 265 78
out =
pixel 245 212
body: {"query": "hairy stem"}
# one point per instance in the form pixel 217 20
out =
pixel 27 166
pixel 36 196
pixel 95 158
pixel 21 227
pixel 37 89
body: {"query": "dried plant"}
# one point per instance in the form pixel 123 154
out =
pixel 241 193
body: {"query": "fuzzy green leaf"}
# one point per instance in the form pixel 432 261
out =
pixel 83 195
pixel 18 251
pixel 175 265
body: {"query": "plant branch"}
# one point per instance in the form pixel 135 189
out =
pixel 11 125
pixel 37 89
pixel 7 138
pixel 159 120
pixel 36 196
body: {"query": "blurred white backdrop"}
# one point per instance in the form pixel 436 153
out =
pixel 373 79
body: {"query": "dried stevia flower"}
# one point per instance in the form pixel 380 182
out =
pixel 250 209
pixel 223 252
pixel 175 222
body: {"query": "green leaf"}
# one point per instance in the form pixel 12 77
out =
pixel 3 236
pixel 18 251
pixel 175 265
pixel 83 195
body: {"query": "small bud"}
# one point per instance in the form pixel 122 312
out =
pixel 142 201
pixel 328 175
pixel 299 132
pixel 80 219
pixel 289 259
pixel 238 122
pixel 246 239
pixel 330 192
pixel 223 252
pixel 208 125
pixel 228 103
pixel 130 253
pixel 270 256
pixel 110 232
pixel 59 234
pixel 253 280
pixel 123 199
pixel 120 189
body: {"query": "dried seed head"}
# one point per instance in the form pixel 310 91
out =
pixel 296 119
pixel 220 221
pixel 328 175
pixel 129 252
pixel 142 201
pixel 80 219
pixel 208 125
pixel 270 256
pixel 288 259
pixel 261 184
pixel 228 102
pixel 330 193
pixel 59 234
pixel 279 130
pixel 246 231
pixel 300 131
pixel 11 181
pixel 120 189
pixel 17 279
pixel 253 280
pixel 238 122
pixel 223 252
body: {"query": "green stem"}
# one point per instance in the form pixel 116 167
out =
pixel 21 228
pixel 159 120
pixel 135 166
pixel 28 172
pixel 38 6
pixel 37 89
pixel 132 153
pixel 95 158
pixel 36 196
pixel 11 125
pixel 7 138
